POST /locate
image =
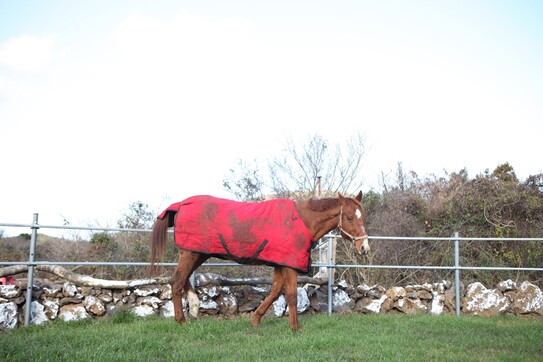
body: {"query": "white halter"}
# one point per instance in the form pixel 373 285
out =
pixel 340 226
pixel 353 238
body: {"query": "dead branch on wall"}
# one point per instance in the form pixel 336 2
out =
pixel 203 279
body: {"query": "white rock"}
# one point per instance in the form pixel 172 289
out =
pixel 375 305
pixel 212 292
pixel 69 289
pixel 418 304
pixel 94 305
pixel 51 307
pixel 279 306
pixel 507 285
pixel 438 303
pixel 208 304
pixel 529 299
pixel 395 293
pixel 480 300
pixel 37 313
pixel 340 298
pixel 166 292
pixel 439 287
pixel 73 313
pixel 167 310
pixel 228 304
pixel 53 291
pixel 153 302
pixel 147 292
pixel 9 291
pixel 8 316
pixel 143 310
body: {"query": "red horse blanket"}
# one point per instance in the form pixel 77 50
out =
pixel 270 232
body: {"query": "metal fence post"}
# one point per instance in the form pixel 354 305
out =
pixel 31 260
pixel 330 276
pixel 457 272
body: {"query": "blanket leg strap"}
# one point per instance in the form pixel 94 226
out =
pixel 259 250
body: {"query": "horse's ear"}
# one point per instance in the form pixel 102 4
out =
pixel 359 196
pixel 341 197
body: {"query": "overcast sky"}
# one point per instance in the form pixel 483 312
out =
pixel 103 103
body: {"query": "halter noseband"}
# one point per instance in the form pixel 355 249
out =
pixel 340 226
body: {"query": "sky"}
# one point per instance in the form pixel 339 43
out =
pixel 104 103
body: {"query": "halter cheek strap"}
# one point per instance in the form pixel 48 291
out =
pixel 340 226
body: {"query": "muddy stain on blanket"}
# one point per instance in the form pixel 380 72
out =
pixel 210 210
pixel 241 229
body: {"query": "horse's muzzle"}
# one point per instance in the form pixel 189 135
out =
pixel 362 245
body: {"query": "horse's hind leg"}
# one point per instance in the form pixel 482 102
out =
pixel 192 297
pixel 275 292
pixel 188 262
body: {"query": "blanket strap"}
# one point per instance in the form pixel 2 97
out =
pixel 259 250
pixel 224 245
pixel 252 258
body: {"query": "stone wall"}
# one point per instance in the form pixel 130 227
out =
pixel 67 301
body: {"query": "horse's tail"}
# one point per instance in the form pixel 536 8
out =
pixel 159 237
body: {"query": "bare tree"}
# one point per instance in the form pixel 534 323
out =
pixel 302 170
pixel 245 181
pixel 315 165
pixel 138 216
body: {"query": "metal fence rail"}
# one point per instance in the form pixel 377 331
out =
pixel 34 226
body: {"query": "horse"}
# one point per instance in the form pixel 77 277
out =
pixel 279 233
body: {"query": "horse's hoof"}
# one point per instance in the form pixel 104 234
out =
pixel 255 322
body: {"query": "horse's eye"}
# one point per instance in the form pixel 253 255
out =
pixel 349 218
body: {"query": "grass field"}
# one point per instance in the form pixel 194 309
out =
pixel 337 338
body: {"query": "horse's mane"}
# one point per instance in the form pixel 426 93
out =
pixel 322 204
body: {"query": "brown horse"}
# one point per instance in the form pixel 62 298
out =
pixel 279 233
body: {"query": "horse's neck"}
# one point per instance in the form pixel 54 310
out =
pixel 319 223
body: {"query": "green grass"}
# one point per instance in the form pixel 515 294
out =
pixel 338 338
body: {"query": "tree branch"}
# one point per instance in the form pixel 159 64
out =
pixel 203 279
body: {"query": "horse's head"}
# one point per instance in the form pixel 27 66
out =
pixel 351 222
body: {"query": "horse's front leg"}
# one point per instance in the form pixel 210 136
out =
pixel 291 295
pixel 275 292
